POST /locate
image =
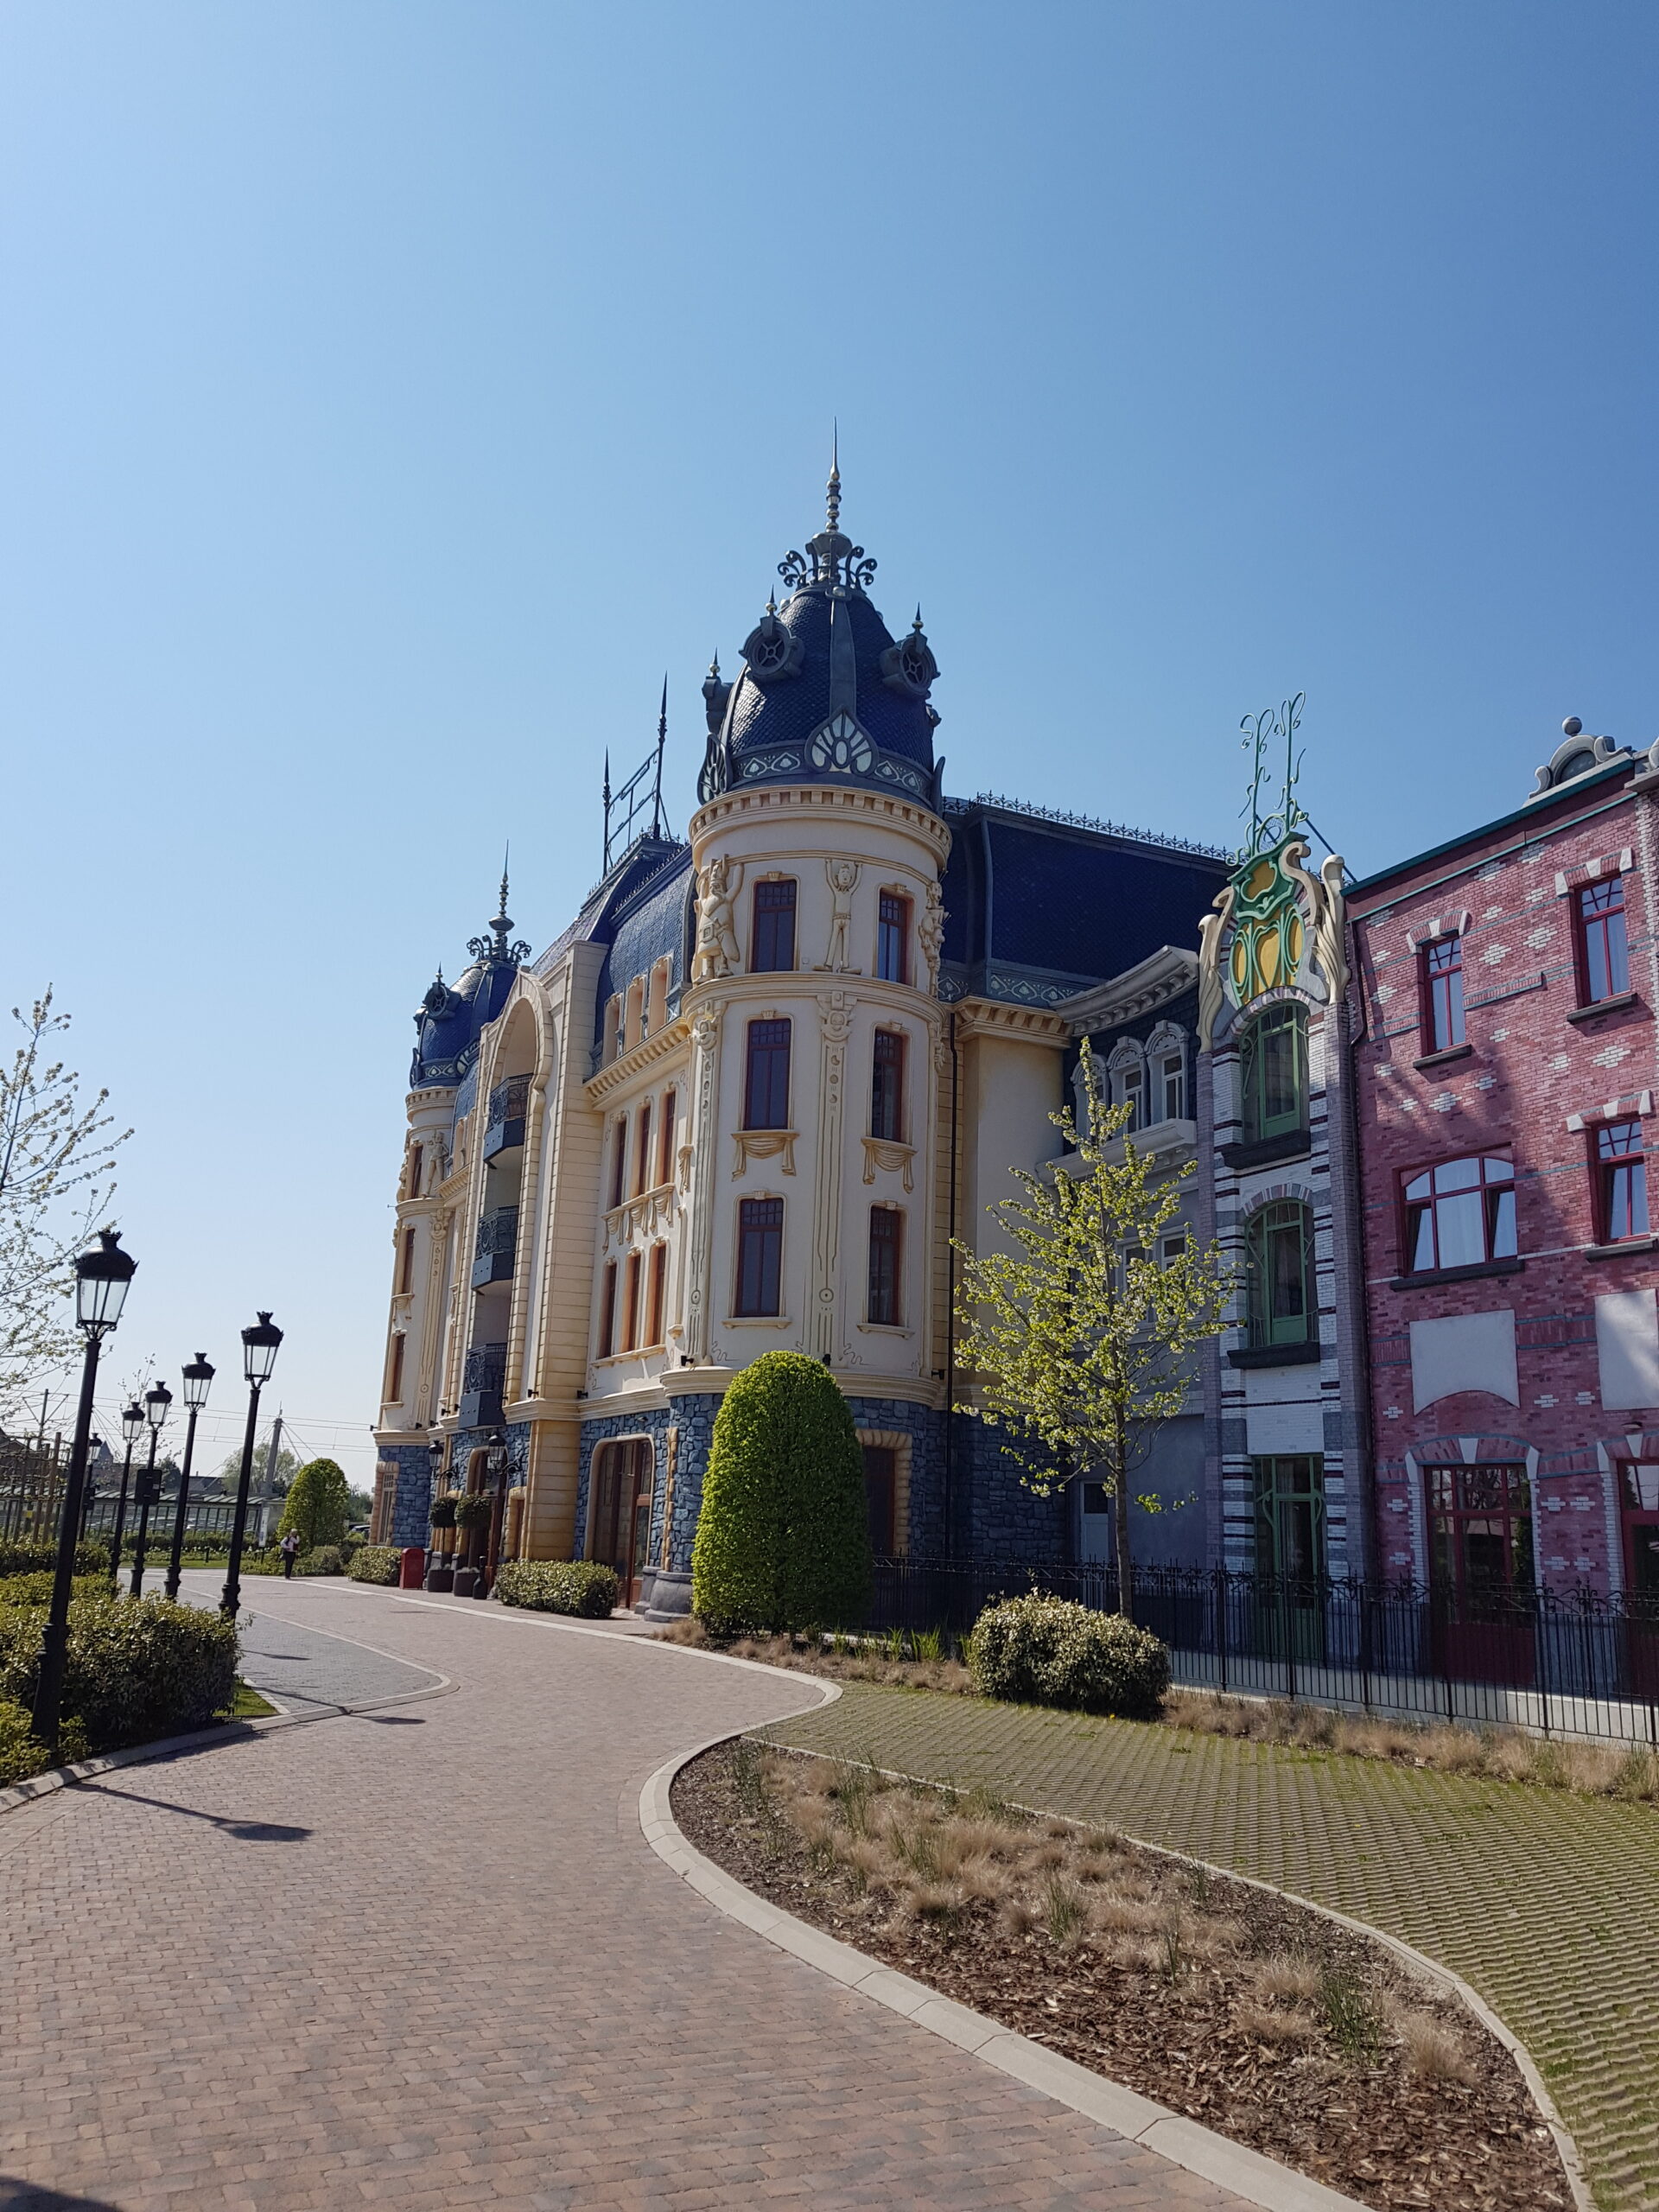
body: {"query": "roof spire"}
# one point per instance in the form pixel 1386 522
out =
pixel 506 854
pixel 832 488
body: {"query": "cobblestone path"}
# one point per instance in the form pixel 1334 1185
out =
pixel 1548 1904
pixel 423 1958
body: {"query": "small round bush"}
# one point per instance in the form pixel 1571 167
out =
pixel 586 1587
pixel 782 1540
pixel 375 1563
pixel 1041 1650
pixel 325 1560
pixel 443 1515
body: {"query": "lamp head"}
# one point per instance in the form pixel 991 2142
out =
pixel 259 1345
pixel 101 1274
pixel 198 1381
pixel 132 1423
pixel 157 1399
pixel 434 1457
pixel 497 1448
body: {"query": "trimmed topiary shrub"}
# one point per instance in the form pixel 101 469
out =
pixel 584 1587
pixel 374 1563
pixel 1041 1650
pixel 443 1515
pixel 325 1559
pixel 472 1510
pixel 135 1671
pixel 783 1540
pixel 318 1506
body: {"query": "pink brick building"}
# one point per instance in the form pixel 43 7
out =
pixel 1506 984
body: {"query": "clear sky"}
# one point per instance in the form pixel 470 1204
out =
pixel 390 391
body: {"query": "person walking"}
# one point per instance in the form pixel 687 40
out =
pixel 291 1551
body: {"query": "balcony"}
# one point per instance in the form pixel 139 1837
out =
pixel 483 1378
pixel 497 1239
pixel 504 1123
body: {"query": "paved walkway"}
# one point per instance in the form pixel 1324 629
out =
pixel 1548 1904
pixel 423 1958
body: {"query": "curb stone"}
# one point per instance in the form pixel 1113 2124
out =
pixel 1258 2180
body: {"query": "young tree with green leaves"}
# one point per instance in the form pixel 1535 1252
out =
pixel 1080 1340
pixel 319 1505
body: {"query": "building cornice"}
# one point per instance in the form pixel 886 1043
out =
pixel 816 802
pixel 662 1044
pixel 992 1018
pixel 1162 976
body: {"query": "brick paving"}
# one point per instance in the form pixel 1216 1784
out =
pixel 1546 1903
pixel 424 1958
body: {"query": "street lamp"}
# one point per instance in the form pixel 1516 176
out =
pixel 101 1274
pixel 157 1400
pixel 499 1464
pixel 132 1427
pixel 259 1345
pixel 198 1381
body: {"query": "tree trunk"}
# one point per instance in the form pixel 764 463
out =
pixel 1121 1535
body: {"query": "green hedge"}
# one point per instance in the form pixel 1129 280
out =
pixel 375 1563
pixel 21 1752
pixel 325 1560
pixel 134 1672
pixel 36 1589
pixel 584 1587
pixel 783 1539
pixel 1040 1651
pixel 42 1559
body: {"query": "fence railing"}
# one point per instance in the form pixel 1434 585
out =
pixel 1580 1665
pixel 31 1490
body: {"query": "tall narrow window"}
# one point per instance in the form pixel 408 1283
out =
pixel 395 1380
pixel 765 1084
pixel 1171 1079
pixel 1604 950
pixel 665 1143
pixel 880 1485
pixel 888 1087
pixel 1622 1181
pixel 892 938
pixel 1273 1066
pixel 642 1149
pixel 773 940
pixel 631 1304
pixel 620 1160
pixel 1130 1084
pixel 1443 993
pixel 406 1262
pixel 886 1242
pixel 1480 1538
pixel 1283 1308
pixel 760 1256
pixel 1290 1517
pixel 417 1161
pixel 1459 1215
pixel 657 1291
pixel 607 1311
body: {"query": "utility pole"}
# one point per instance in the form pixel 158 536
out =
pixel 269 1484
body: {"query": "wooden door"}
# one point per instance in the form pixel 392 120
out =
pixel 623 1478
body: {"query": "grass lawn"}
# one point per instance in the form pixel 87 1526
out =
pixel 1546 1901
pixel 248 1705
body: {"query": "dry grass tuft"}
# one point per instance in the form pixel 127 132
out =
pixel 1270 2026
pixel 1430 2048
pixel 1286 1976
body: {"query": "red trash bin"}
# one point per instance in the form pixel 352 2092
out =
pixel 412 1572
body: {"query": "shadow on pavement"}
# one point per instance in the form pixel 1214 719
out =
pixel 30 2196
pixel 244 1831
pixel 395 1719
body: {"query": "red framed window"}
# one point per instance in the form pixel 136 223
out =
pixel 887 1251
pixel 607 1311
pixel 771 942
pixel 1621 1182
pixel 1603 948
pixel 666 1141
pixel 1442 983
pixel 654 1301
pixel 1459 1215
pixel 1480 1538
pixel 888 1087
pixel 892 938
pixel 1639 1484
pixel 760 1256
pixel 766 1077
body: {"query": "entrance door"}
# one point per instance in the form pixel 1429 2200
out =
pixel 623 1476
pixel 1290 1556
pixel 1481 1568
pixel 879 1497
pixel 1638 1488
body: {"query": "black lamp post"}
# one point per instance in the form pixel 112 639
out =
pixel 157 1400
pixel 132 1427
pixel 435 1463
pixel 499 1464
pixel 259 1345
pixel 198 1381
pixel 102 1274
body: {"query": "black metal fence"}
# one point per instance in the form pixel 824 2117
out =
pixel 1580 1665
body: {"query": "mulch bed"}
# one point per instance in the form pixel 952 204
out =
pixel 1367 2124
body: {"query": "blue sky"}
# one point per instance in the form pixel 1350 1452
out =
pixel 391 391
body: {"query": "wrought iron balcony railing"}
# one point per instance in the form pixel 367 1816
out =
pixel 498 1240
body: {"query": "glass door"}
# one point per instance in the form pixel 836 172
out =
pixel 1290 1555
pixel 1481 1572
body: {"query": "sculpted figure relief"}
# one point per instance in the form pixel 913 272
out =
pixel 930 933
pixel 843 881
pixel 1211 995
pixel 716 948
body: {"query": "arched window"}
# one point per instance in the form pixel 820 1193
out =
pixel 1273 1068
pixel 1127 1071
pixel 1284 1304
pixel 1166 1074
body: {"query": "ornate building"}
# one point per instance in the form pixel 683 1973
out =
pixel 745 1099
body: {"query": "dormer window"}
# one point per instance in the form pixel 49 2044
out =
pixel 772 938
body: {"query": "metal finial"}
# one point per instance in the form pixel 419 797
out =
pixel 662 718
pixel 713 666
pixel 917 625
pixel 832 488
pixel 506 854
pixel 771 602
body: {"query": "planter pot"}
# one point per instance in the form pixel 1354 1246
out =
pixel 439 1578
pixel 466 1580
pixel 670 1598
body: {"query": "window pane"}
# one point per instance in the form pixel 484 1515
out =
pixel 1460 1230
pixel 1502 1206
pixel 886 1226
pixel 1457 1175
pixel 1420 1238
pixel 1419 1186
pixel 892 938
pixel 886 1087
pixel 766 1103
pixel 761 1243
pixel 1174 1088
pixel 774 925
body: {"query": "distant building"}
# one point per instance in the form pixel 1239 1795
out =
pixel 745 1099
